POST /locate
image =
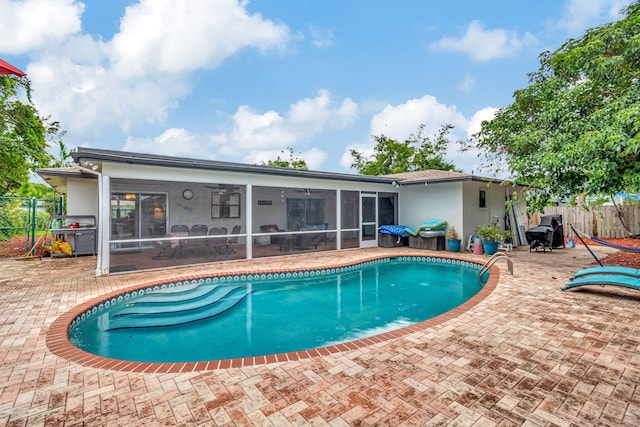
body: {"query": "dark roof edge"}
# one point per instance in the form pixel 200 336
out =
pixel 62 172
pixel 100 155
pixel 454 179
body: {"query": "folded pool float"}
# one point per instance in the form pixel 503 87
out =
pixel 394 230
pixel 434 225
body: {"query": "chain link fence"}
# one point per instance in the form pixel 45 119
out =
pixel 23 225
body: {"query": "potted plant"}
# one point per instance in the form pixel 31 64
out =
pixel 453 239
pixel 491 235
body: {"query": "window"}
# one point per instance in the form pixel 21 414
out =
pixel 225 205
pixel 482 202
pixel 304 212
pixel 138 215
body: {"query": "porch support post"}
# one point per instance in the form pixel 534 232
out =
pixel 104 229
pixel 249 220
pixel 338 219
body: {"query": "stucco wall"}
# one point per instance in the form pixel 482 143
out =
pixel 82 197
pixel 420 203
pixel 495 207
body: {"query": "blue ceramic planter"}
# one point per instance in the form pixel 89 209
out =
pixel 490 248
pixel 453 245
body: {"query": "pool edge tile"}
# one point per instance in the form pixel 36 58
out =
pixel 57 340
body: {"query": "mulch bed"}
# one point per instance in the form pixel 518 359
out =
pixel 15 248
pixel 623 258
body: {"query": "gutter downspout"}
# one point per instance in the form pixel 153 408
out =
pixel 101 216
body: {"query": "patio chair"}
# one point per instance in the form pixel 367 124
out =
pixel 197 246
pixel 217 244
pixel 273 228
pixel 174 247
pixel 233 240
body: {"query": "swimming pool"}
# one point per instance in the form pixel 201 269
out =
pixel 273 313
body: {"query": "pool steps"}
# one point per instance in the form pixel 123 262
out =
pixel 178 305
pixel 174 297
pixel 175 289
pixel 214 308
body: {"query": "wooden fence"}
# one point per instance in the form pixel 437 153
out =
pixel 599 221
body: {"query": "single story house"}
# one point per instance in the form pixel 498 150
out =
pixel 151 211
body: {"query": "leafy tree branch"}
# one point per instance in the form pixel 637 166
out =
pixel 576 128
pixel 418 152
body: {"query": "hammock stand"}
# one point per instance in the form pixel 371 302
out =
pixel 603 242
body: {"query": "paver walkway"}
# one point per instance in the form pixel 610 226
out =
pixel 528 354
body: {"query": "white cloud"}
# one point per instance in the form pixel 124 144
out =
pixel 253 137
pixel 252 131
pixel 34 24
pixel 321 38
pixel 485 45
pixel 88 100
pixel 178 36
pixel 93 86
pixel 398 122
pixel 486 114
pixel 172 142
pixel 314 114
pixel 582 14
pixel 267 133
pixel 467 84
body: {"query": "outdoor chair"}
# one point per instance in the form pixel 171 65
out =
pixel 175 247
pixel 233 240
pixel 217 244
pixel 197 247
pixel 273 228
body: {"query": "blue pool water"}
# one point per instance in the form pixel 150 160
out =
pixel 251 315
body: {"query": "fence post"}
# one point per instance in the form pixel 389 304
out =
pixel 32 222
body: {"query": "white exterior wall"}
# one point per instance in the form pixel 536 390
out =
pixel 495 208
pixel 420 203
pixel 82 197
pixel 457 203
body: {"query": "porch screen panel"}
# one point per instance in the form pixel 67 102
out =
pixel 387 208
pixel 292 220
pixel 349 217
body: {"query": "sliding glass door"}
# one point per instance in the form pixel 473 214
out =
pixel 138 215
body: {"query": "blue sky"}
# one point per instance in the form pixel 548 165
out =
pixel 242 81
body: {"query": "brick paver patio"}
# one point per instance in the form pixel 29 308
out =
pixel 527 354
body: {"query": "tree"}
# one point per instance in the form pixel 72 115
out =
pixel 415 153
pixel 64 156
pixel 576 128
pixel 295 161
pixel 35 190
pixel 23 134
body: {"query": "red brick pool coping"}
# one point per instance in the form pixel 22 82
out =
pixel 58 338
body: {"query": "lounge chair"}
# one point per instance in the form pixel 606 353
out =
pixel 609 269
pixel 605 280
pixel 435 225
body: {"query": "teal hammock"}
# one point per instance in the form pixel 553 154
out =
pixel 602 242
pixel 614 245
